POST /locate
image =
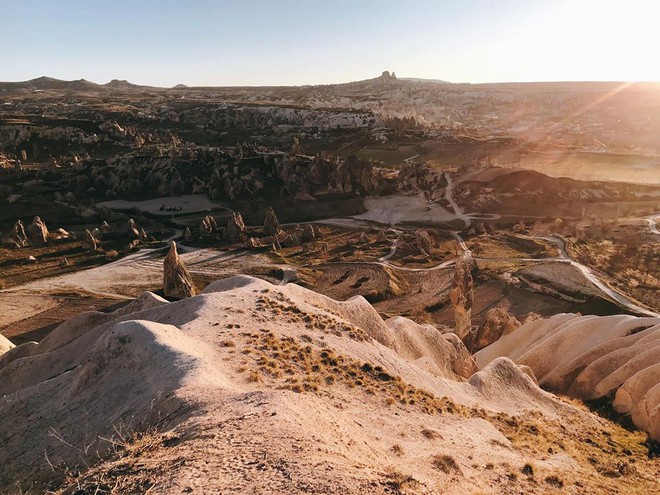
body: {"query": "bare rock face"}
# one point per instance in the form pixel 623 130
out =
pixel 37 232
pixel 462 363
pixel 208 227
pixel 498 323
pixel 89 242
pixel 177 281
pixel 423 242
pixel 133 229
pixel 18 234
pixel 235 230
pixel 271 224
pixel 308 233
pixel 187 235
pixel 462 296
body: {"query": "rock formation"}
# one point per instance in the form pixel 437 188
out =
pixel 37 232
pixel 133 229
pixel 177 281
pixel 208 227
pixel 105 228
pixel 363 238
pixel 88 241
pixel 18 234
pixel 235 230
pixel 423 242
pixel 291 239
pixel 187 234
pixel 461 295
pixel 202 357
pixel 382 236
pixel 308 233
pixel 498 323
pixel 590 358
pixel 271 224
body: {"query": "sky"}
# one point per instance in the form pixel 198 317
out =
pixel 295 42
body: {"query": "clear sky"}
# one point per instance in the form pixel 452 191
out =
pixel 258 42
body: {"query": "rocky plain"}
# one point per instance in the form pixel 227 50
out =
pixel 387 286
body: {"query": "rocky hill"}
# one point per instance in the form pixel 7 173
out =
pixel 253 387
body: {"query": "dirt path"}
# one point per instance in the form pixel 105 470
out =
pixel 590 275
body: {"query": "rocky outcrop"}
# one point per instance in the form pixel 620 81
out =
pixel 235 231
pixel 592 358
pixel 89 242
pixel 498 323
pixel 382 236
pixel 133 229
pixel 37 232
pixel 462 295
pixel 423 242
pixel 308 234
pixel 356 177
pixel 18 234
pixel 208 227
pixel 363 238
pixel 105 228
pixel 177 281
pixel 462 362
pixel 415 176
pixel 187 234
pixel 271 224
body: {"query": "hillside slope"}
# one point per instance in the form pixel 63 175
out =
pixel 256 388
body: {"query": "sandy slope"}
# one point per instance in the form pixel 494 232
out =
pixel 276 389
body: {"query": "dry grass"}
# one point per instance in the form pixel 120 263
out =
pixel 304 368
pixel 398 483
pixel 125 469
pixel 446 463
pixel 282 307
pixel 397 449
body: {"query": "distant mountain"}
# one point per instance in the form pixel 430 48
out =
pixel 50 83
pixel 121 84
